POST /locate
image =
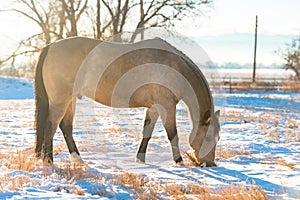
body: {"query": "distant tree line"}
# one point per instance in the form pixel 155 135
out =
pixel 101 19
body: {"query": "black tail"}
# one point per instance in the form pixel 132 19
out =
pixel 41 102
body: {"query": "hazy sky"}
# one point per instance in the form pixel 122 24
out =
pixel 231 16
pixel 228 34
pixel 225 32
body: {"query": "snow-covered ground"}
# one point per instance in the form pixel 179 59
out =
pixel 259 145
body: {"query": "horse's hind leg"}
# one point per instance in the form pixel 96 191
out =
pixel 56 113
pixel 170 126
pixel 66 125
pixel 149 123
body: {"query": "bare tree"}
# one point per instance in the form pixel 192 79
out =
pixel 98 20
pixel 118 16
pixel 37 13
pixel 73 11
pixel 44 15
pixel 153 13
pixel 291 55
pixel 56 19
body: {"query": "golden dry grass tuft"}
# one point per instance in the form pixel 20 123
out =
pixel 15 183
pixel 139 185
pixel 116 130
pixel 57 150
pixel 232 192
pixel 144 190
pixel 78 191
pixel 272 135
pixel 21 160
pixel 233 116
pixel 131 179
pixel 240 192
pixel 174 190
pixel 1 155
pixel 72 171
pixel 227 151
pixel 292 124
pixel 181 191
pixel 192 160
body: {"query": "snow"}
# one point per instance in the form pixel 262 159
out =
pixel 260 130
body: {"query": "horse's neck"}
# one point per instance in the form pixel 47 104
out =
pixel 199 100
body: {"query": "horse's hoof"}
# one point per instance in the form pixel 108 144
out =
pixel 47 161
pixel 38 155
pixel 75 158
pixel 140 161
pixel 208 164
pixel 180 163
pixel 140 158
pixel 179 160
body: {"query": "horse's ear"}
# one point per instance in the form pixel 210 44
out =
pixel 217 114
pixel 207 117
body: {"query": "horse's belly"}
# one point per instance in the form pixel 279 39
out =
pixel 143 96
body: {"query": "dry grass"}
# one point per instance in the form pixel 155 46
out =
pixel 139 185
pixel 232 192
pixel 14 183
pixel 292 124
pixel 192 160
pixel 239 192
pixel 272 135
pixel 1 155
pixel 72 171
pixel 292 86
pixel 73 190
pixel 292 136
pixel 182 191
pixel 144 190
pixel 227 151
pixel 222 151
pixel 78 191
pixel 286 133
pixel 116 130
pixel 278 161
pixel 131 179
pixel 233 116
pixel 57 150
pixel 21 160
pixel 278 127
pixel 174 190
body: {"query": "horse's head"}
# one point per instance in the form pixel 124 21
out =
pixel 205 138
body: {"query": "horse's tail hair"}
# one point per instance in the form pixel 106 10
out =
pixel 41 101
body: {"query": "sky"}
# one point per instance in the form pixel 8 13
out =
pixel 225 32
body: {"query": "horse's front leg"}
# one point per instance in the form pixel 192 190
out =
pixel 170 126
pixel 149 123
pixel 56 114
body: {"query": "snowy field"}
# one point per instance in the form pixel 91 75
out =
pixel 259 147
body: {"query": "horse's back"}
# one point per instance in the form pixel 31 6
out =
pixel 132 75
pixel 62 64
pixel 114 74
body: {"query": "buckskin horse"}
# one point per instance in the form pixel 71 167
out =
pixel 151 74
